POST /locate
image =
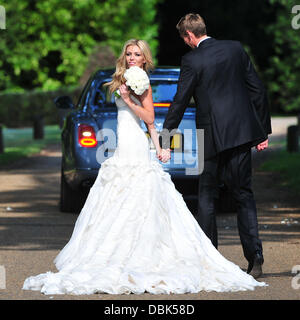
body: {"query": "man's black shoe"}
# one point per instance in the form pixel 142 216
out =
pixel 255 266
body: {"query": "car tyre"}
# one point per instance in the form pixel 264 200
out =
pixel 70 200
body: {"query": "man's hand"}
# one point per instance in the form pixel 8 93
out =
pixel 263 145
pixel 164 155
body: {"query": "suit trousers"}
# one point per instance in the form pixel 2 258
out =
pixel 232 167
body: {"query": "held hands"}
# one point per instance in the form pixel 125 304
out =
pixel 263 145
pixel 164 155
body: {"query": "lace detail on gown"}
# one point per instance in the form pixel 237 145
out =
pixel 135 233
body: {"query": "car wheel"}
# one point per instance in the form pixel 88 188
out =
pixel 70 200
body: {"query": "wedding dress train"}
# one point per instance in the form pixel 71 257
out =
pixel 135 233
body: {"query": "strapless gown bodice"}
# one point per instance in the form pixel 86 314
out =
pixel 133 144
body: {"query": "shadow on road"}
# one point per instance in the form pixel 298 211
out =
pixel 31 190
pixel 29 212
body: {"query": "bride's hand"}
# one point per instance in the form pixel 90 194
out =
pixel 164 155
pixel 125 93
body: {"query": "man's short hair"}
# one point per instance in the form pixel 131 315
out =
pixel 192 22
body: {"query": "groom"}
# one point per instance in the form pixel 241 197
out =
pixel 232 108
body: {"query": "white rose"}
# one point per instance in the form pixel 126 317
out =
pixel 137 79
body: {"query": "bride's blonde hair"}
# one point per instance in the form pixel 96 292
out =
pixel 121 65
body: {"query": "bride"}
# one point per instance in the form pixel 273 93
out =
pixel 135 233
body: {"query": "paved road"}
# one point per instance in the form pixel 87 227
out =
pixel 32 231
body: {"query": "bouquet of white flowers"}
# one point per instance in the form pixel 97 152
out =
pixel 137 80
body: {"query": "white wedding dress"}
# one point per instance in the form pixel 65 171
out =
pixel 135 233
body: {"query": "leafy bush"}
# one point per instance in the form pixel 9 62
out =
pixel 19 109
pixel 47 44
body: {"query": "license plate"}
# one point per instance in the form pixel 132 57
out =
pixel 176 143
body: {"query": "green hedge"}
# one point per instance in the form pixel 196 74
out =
pixel 19 109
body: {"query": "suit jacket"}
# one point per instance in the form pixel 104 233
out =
pixel 231 101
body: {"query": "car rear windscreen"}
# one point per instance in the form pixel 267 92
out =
pixel 162 91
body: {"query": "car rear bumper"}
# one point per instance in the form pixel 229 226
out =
pixel 85 178
pixel 81 178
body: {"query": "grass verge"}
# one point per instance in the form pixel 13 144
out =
pixel 288 165
pixel 19 143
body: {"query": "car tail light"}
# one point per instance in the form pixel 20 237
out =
pixel 86 136
pixel 162 104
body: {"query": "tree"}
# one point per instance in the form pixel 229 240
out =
pixel 284 64
pixel 46 44
pixel 263 27
pixel 244 21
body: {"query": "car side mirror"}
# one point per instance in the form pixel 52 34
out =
pixel 64 102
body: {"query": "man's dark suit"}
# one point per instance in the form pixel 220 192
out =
pixel 232 108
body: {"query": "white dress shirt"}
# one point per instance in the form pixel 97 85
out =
pixel 202 40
